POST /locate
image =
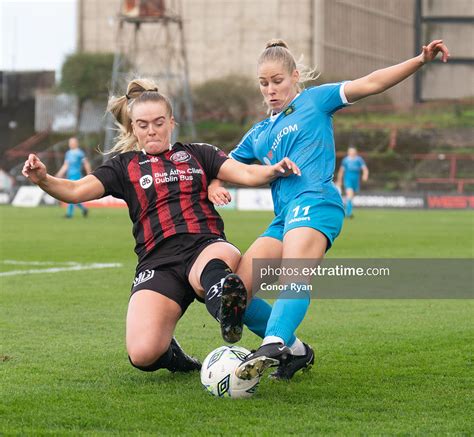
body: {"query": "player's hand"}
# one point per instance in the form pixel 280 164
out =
pixel 219 196
pixel 365 178
pixel 430 51
pixel 286 167
pixel 34 169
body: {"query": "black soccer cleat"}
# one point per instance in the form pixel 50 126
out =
pixel 268 355
pixel 181 361
pixel 233 305
pixel 85 212
pixel 293 363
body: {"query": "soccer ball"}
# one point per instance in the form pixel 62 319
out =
pixel 218 373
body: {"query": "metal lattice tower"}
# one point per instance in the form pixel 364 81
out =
pixel 151 44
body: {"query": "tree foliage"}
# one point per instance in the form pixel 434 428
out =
pixel 87 75
pixel 228 99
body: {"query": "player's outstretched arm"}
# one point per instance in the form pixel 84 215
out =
pixel 255 175
pixel 385 78
pixel 84 189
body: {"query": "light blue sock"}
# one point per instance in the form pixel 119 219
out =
pixel 256 317
pixel 70 210
pixel 349 207
pixel 287 314
pixel 81 206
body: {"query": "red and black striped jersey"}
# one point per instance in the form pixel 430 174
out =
pixel 166 193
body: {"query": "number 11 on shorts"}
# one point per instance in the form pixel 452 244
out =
pixel 297 210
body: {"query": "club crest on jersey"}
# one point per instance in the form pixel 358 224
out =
pixel 181 156
pixel 289 110
pixel 146 181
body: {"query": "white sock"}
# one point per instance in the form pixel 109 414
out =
pixel 298 348
pixel 272 339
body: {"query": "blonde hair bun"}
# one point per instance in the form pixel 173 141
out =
pixel 275 42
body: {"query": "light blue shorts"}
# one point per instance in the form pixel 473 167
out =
pixel 352 184
pixel 326 216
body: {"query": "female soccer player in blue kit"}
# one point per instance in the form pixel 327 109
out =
pixel 349 172
pixel 309 211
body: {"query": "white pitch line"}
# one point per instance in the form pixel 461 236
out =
pixel 38 263
pixel 92 266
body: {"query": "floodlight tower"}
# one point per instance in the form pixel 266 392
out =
pixel 151 44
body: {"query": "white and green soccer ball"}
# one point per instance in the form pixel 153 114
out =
pixel 218 373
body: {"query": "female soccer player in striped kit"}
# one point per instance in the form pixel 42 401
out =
pixel 309 211
pixel 180 242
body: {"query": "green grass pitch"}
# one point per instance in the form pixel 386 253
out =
pixel 382 366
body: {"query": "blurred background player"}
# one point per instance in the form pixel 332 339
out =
pixel 74 160
pixel 349 172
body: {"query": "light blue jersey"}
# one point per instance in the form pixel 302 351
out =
pixel 352 169
pixel 304 133
pixel 74 159
pixel 353 166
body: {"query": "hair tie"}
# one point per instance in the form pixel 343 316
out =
pixel 139 93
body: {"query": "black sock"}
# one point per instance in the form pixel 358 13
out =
pixel 211 280
pixel 164 362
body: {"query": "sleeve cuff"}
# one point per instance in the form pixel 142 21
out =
pixel 343 94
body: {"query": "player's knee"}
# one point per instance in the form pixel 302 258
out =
pixel 228 254
pixel 144 355
pixel 232 258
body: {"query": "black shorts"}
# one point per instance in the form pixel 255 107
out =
pixel 167 271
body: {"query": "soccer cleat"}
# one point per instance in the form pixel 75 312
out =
pixel 233 305
pixel 293 363
pixel 85 212
pixel 268 355
pixel 182 362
